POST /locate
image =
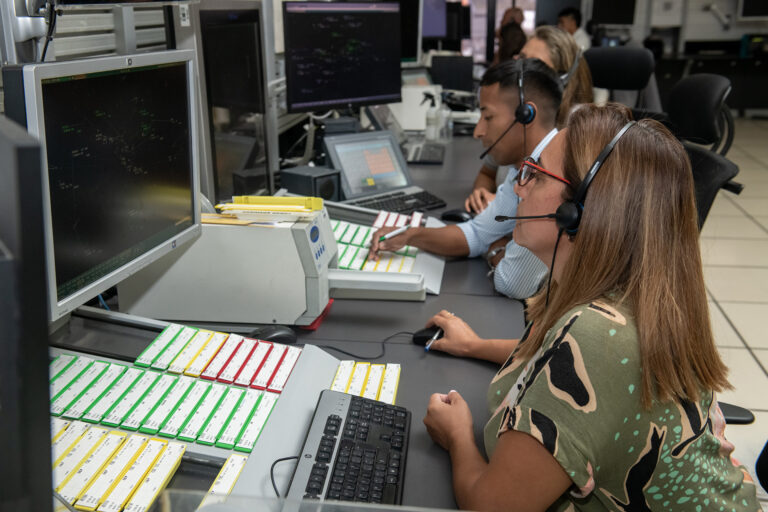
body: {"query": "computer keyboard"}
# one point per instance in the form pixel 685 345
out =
pixel 429 153
pixel 401 202
pixel 355 450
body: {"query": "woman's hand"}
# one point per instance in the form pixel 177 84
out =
pixel 448 419
pixel 458 338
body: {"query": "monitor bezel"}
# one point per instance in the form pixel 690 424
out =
pixel 34 75
pixel 331 143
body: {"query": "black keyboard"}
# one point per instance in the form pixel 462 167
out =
pixel 429 153
pixel 354 451
pixel 401 202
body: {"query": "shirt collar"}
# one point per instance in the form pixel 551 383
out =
pixel 543 143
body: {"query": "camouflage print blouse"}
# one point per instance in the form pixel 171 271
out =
pixel 580 397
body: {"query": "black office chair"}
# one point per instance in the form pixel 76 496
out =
pixel 620 68
pixel 761 467
pixel 710 173
pixel 698 112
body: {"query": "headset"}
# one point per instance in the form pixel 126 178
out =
pixel 568 74
pixel 568 214
pixel 524 113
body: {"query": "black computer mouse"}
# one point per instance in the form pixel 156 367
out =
pixel 457 215
pixel 424 335
pixel 277 333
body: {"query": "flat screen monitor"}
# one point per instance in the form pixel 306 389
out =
pixel 752 10
pixel 120 170
pixel 435 24
pixel 369 163
pixel 410 32
pixel 610 12
pixel 341 54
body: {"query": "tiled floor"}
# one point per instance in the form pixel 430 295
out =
pixel 734 247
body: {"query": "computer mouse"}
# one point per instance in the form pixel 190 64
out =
pixel 424 335
pixel 457 215
pixel 277 333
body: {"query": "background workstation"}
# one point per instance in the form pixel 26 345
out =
pixel 733 242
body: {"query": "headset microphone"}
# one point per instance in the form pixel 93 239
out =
pixel 503 218
pixel 482 155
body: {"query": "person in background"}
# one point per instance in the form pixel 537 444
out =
pixel 569 19
pixel 513 14
pixel 560 52
pixel 609 401
pixel 511 41
pixel 517 273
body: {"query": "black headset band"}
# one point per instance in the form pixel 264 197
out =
pixel 581 192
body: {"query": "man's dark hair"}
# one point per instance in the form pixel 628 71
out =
pixel 571 12
pixel 511 41
pixel 541 85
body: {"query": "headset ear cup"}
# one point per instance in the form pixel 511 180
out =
pixel 525 113
pixel 568 216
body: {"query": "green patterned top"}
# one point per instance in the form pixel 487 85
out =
pixel 580 396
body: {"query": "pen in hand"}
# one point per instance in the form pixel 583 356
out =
pixel 438 334
pixel 392 234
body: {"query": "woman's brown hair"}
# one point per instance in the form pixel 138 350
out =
pixel 638 239
pixel 563 50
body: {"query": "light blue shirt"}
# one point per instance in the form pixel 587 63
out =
pixel 519 273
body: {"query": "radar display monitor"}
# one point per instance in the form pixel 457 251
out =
pixel 341 54
pixel 120 170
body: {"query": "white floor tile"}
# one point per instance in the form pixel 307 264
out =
pixel 761 219
pixel 749 320
pixel 724 207
pixel 722 331
pixel 733 227
pixel 734 284
pixel 753 205
pixel 736 252
pixel 747 377
pixel 749 441
pixel 762 355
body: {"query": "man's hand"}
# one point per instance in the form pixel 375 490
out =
pixel 393 244
pixel 478 200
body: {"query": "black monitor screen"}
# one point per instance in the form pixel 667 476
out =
pixel 119 167
pixel 435 22
pixel 754 8
pixel 610 12
pixel 409 30
pixel 232 49
pixel 340 54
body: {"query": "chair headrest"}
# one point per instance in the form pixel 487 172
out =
pixel 710 172
pixel 620 67
pixel 694 106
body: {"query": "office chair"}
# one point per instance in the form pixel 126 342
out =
pixel 710 173
pixel 761 467
pixel 620 68
pixel 698 112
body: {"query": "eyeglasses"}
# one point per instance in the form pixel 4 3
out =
pixel 530 167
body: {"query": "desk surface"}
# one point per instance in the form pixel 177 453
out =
pixel 357 326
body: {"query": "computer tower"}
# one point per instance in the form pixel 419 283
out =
pixel 312 181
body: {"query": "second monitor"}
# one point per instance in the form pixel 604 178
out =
pixel 341 54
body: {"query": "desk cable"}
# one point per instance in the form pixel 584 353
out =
pixel 369 358
pixel 272 471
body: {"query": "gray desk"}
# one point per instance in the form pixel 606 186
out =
pixel 358 326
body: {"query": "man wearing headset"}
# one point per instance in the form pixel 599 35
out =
pixel 519 101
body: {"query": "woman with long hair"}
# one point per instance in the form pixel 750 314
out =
pixel 608 402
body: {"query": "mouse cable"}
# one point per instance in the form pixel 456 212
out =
pixel 358 356
pixel 272 471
